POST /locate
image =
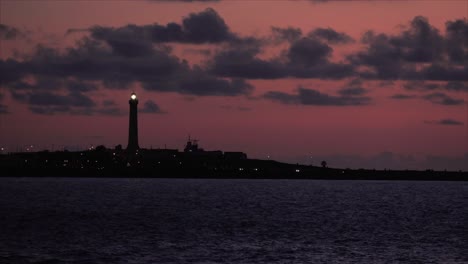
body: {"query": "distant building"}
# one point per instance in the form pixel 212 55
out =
pixel 133 124
pixel 192 146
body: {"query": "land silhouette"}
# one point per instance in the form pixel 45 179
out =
pixel 192 162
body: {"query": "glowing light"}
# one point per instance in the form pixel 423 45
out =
pixel 297 170
pixel 133 96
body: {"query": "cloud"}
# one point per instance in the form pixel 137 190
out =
pixel 120 57
pixel 305 96
pixel 90 61
pixel 421 86
pixel 447 122
pixel 108 103
pixel 206 26
pixel 456 40
pixel 150 107
pixel 3 108
pixel 305 58
pixel 352 91
pixel 55 102
pixel 442 99
pixel 331 36
pixel 402 96
pixel 11 71
pixel 289 34
pixel 8 32
pixel 197 28
pixel 457 86
pixel 38 98
pixel 309 52
pixel 353 88
pixel 417 53
pixel 243 63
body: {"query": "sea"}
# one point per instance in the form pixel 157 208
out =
pixel 104 220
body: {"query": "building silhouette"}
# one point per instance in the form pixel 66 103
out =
pixel 133 124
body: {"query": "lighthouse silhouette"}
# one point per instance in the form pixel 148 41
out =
pixel 133 124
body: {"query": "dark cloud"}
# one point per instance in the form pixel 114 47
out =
pixel 447 122
pixel 436 72
pixel 76 99
pixel 90 61
pixel 417 53
pixel 80 86
pixel 3 109
pixel 353 88
pixel 40 84
pixel 331 36
pixel 352 91
pixel 309 52
pixel 46 103
pixel 243 63
pixel 457 40
pixel 8 32
pixel 421 86
pixel 198 83
pixel 108 103
pixel 327 70
pixel 130 41
pixel 11 71
pixel 381 56
pixel 53 84
pixel 457 86
pixel 307 96
pixel 282 97
pixel 402 96
pixel 289 34
pixel 53 110
pixel 206 26
pixel 150 107
pixel 442 99
pixel 197 28
pixel 420 43
pixel 305 58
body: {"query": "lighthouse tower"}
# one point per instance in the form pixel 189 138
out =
pixel 133 124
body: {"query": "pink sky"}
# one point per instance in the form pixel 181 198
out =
pixel 251 123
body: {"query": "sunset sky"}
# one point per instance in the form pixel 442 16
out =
pixel 375 84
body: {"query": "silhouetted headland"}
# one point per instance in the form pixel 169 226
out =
pixel 193 162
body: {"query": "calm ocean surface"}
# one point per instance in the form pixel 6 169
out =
pixel 65 220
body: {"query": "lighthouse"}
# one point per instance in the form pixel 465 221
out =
pixel 133 124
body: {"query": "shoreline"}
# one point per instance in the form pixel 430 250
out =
pixel 314 173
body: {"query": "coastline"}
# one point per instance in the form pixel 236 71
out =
pixel 305 173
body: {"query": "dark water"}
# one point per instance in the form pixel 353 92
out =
pixel 232 221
